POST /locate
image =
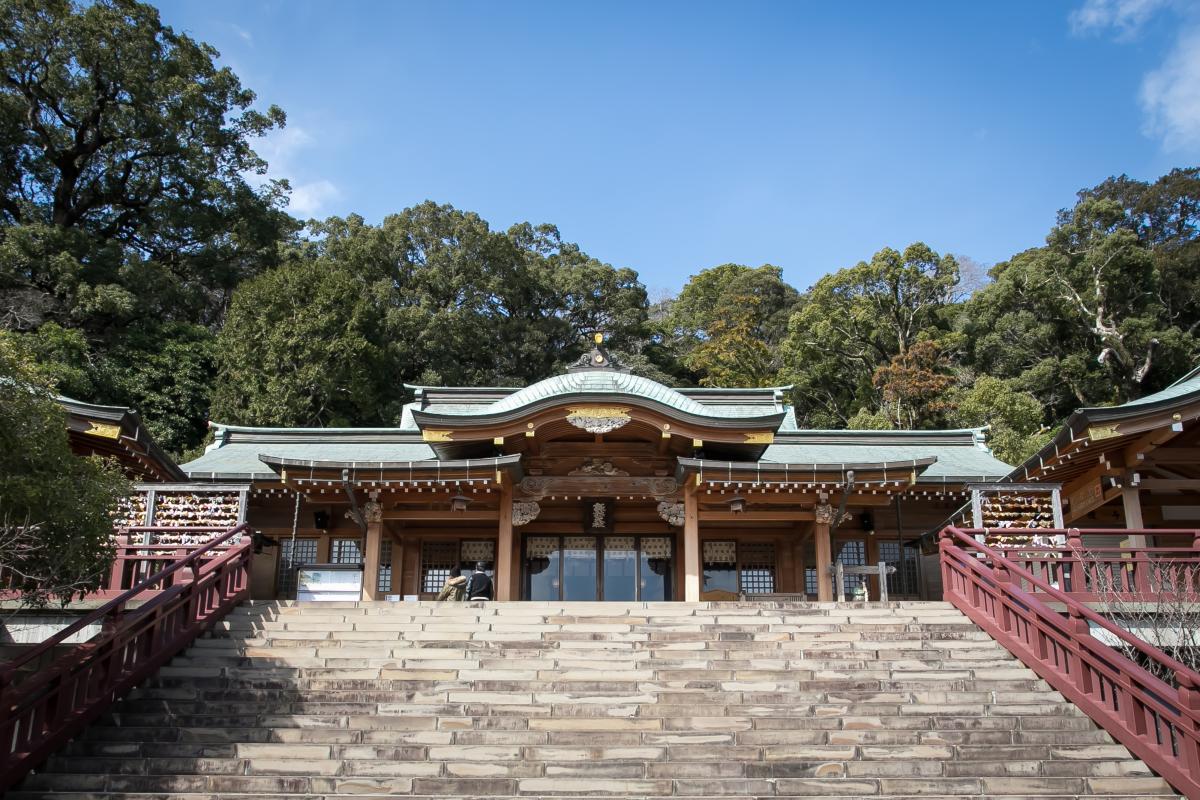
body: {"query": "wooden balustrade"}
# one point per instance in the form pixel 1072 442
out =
pixel 1159 721
pixel 41 708
pixel 1091 573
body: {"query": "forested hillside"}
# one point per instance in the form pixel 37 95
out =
pixel 143 264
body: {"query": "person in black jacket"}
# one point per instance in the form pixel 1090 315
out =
pixel 479 586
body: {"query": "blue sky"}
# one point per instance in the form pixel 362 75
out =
pixel 673 136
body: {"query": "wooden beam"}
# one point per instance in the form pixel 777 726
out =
pixel 755 516
pixel 371 545
pixel 691 544
pixel 1170 484
pixel 445 515
pixel 1135 452
pixel 1133 514
pixel 1175 455
pixel 784 498
pixel 506 581
pixel 824 558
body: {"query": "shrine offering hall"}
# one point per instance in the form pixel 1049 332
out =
pixel 591 485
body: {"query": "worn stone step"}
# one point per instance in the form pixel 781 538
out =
pixel 622 700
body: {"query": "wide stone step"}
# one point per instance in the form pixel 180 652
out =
pixel 618 700
pixel 451 786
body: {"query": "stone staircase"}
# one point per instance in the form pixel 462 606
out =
pixel 630 700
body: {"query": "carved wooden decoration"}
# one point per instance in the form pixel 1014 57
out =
pixel 598 419
pixel 672 513
pixel 597 486
pixel 598 466
pixel 524 512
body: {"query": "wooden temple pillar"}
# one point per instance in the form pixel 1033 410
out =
pixel 824 554
pixel 373 514
pixel 1132 504
pixel 505 572
pixel 691 544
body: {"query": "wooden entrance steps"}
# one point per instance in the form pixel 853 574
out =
pixel 695 700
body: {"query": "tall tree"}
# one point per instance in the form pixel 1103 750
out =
pixel 728 321
pixel 1107 310
pixel 858 319
pixel 432 295
pixel 55 507
pixel 124 203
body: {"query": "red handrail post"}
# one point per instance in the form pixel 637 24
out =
pixel 944 545
pixel 116 575
pixel 1080 633
pixel 1189 698
pixel 1141 573
pixel 1078 581
pixel 1004 581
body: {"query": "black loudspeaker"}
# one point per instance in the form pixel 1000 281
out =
pixel 321 519
pixel 867 521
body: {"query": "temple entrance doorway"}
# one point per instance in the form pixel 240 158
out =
pixel 588 568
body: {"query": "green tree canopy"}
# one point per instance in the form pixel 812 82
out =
pixel 1013 416
pixel 431 295
pixel 1107 310
pixel 125 210
pixel 858 319
pixel 55 507
pixel 728 321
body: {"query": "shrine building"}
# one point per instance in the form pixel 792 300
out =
pixel 596 484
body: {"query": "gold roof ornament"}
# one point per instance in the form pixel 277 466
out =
pixel 103 430
pixel 1098 433
pixel 598 419
pixel 437 436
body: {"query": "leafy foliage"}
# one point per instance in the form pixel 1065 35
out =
pixel 143 263
pixel 857 320
pixel 1106 311
pixel 125 210
pixel 728 321
pixel 54 506
pixel 330 338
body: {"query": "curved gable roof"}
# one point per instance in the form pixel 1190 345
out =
pixel 599 385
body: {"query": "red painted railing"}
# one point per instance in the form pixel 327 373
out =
pixel 1159 722
pixel 42 708
pixel 1093 573
pixel 135 560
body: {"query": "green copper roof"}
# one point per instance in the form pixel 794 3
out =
pixel 236 449
pixel 960 454
pixel 1178 395
pixel 599 382
pixel 1186 385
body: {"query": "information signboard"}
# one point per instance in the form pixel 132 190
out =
pixel 329 582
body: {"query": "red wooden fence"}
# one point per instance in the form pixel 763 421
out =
pixel 1158 721
pixel 1092 573
pixel 42 708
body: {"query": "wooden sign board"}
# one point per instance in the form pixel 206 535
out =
pixel 1086 498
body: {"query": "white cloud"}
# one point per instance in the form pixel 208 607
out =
pixel 281 149
pixel 309 198
pixel 244 34
pixel 280 146
pixel 1124 16
pixel 1170 95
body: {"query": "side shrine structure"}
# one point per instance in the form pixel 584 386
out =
pixel 596 484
